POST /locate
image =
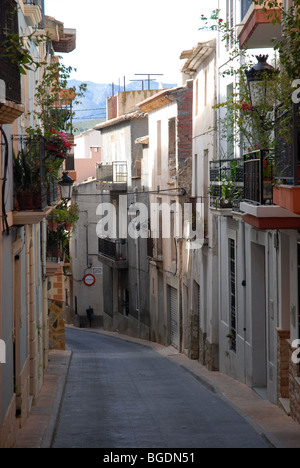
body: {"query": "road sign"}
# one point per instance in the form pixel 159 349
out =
pixel 89 280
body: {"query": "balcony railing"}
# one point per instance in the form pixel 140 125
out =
pixel 258 177
pixel 226 183
pixel 9 72
pixel 112 176
pixel 38 3
pixel 54 248
pixel 288 148
pixel 115 250
pixel 34 186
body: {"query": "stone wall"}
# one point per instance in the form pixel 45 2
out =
pixel 212 356
pixel 283 355
pixel 56 312
pixel 294 387
pixel 56 325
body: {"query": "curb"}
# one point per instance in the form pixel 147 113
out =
pixel 50 432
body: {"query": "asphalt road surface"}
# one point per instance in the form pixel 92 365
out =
pixel 124 395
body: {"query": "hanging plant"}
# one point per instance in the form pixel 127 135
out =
pixel 57 143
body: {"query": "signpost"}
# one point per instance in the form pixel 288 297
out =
pixel 89 280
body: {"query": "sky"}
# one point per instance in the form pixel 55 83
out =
pixel 117 38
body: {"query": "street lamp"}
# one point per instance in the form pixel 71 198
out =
pixel 259 78
pixel 66 186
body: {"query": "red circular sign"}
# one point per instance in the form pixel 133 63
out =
pixel 89 280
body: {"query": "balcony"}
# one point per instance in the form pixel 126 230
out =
pixel 286 192
pixel 35 189
pixel 226 185
pixel 257 29
pixel 10 81
pixel 112 176
pixel 258 177
pixel 258 204
pixel 63 39
pixel 113 253
pixel 33 11
pixel 54 252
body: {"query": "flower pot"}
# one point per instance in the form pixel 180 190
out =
pixel 68 226
pixel 24 201
pixel 225 203
pixel 52 148
pixel 52 226
pixel 28 200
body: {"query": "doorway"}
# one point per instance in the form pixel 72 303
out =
pixel 259 322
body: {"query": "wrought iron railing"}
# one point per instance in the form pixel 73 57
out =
pixel 34 185
pixel 226 183
pixel 115 172
pixel 54 251
pixel 113 249
pixel 259 177
pixel 38 3
pixel 287 146
pixel 9 71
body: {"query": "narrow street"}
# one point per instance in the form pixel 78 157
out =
pixel 123 395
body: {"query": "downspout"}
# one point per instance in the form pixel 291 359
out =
pixel 138 274
pixel 244 284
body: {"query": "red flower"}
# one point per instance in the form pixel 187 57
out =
pixel 246 107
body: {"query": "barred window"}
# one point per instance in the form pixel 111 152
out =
pixel 9 71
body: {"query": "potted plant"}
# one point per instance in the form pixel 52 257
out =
pixel 27 180
pixel 66 215
pixel 57 143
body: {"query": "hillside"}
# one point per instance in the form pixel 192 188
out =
pixel 82 126
pixel 93 105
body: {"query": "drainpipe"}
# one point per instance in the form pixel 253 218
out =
pixel 137 256
pixel 137 246
pixel 244 293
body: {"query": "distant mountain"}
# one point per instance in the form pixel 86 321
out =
pixel 93 105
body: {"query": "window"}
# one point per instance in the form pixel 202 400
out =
pixel 230 129
pixel 230 21
pixel 245 5
pixel 172 137
pixel 9 71
pixel 205 88
pixel 232 295
pixel 159 241
pixel 158 148
pixel 197 98
pixel 172 233
pixel 196 175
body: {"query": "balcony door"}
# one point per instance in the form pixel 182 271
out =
pixel 259 320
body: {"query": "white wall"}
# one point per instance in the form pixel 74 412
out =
pixel 84 250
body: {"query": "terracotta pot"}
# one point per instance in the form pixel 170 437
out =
pixel 53 149
pixel 52 226
pixel 29 201
pixel 68 226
